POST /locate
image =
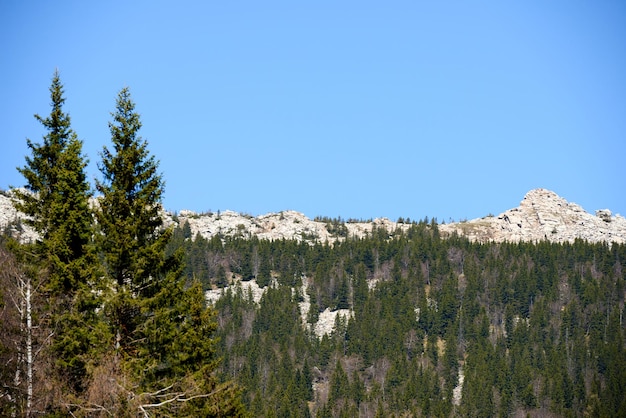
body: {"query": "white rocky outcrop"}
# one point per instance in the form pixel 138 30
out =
pixel 247 288
pixel 327 320
pixel 275 226
pixel 544 215
pixel 457 392
pixel 12 219
pixel 325 323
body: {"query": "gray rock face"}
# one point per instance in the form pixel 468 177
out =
pixel 542 214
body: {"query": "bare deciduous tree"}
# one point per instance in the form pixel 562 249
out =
pixel 24 337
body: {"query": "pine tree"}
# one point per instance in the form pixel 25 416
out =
pixel 56 200
pixel 163 331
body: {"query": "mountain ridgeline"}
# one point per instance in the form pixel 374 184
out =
pixel 481 318
pixel 541 215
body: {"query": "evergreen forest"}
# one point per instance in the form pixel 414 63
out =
pixel 531 329
pixel 106 315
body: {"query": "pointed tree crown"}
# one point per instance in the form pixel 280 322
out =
pixel 57 200
pixel 131 200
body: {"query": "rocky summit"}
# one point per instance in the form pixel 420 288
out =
pixel 544 215
pixel 541 215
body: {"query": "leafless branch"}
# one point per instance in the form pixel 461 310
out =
pixel 93 408
pixel 177 397
pixel 204 395
pixel 157 392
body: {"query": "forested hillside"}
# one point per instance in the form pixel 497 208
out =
pixel 105 310
pixel 438 327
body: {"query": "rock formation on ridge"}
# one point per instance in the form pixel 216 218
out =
pixel 542 214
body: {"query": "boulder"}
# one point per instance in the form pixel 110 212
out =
pixel 604 214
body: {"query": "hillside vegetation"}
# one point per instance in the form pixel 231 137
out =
pixel 109 307
pixel 437 327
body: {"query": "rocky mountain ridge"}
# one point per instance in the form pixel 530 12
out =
pixel 542 214
pixel 282 225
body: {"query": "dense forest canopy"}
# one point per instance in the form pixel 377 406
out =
pixel 438 327
pixel 106 313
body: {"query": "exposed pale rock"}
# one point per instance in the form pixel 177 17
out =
pixel 326 322
pixel 457 392
pixel 247 287
pixel 275 226
pixel 11 218
pixel 324 325
pixel 543 215
pixel 604 214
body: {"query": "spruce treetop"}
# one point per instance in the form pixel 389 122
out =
pixel 131 199
pixel 46 171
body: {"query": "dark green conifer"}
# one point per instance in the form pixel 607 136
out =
pixel 163 330
pixel 57 197
pixel 56 200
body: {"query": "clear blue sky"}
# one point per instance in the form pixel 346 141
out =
pixel 358 109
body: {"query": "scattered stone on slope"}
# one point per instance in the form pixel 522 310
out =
pixel 326 322
pixel 247 287
pixel 542 214
pixel 604 214
pixel 324 325
pixel 457 392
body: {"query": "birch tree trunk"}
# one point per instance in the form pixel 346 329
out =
pixel 25 346
pixel 29 346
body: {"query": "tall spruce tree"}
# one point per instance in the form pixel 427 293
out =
pixel 57 197
pixel 56 200
pixel 164 331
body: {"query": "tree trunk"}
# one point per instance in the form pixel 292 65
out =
pixel 25 348
pixel 29 347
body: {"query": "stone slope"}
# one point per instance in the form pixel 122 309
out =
pixel 542 214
